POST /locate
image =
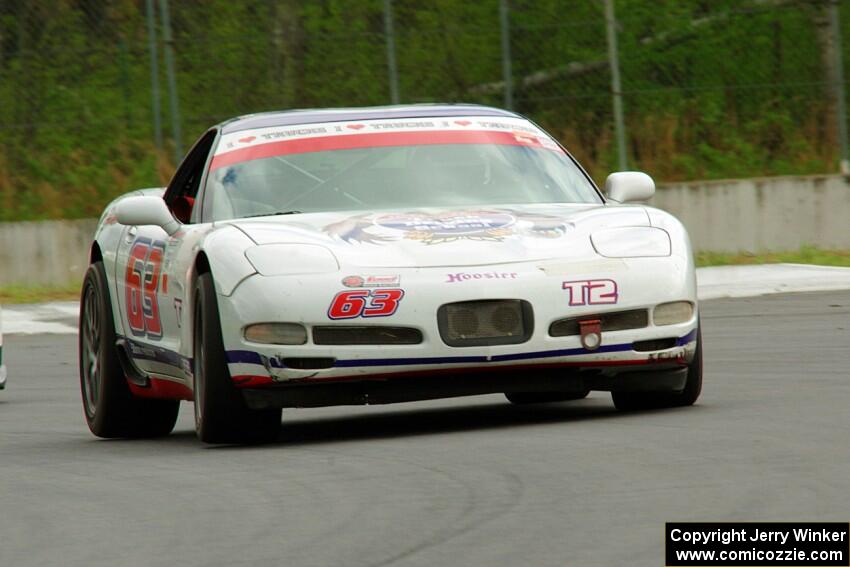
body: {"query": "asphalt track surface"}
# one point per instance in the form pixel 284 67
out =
pixel 470 481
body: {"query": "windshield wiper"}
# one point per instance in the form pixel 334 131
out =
pixel 272 214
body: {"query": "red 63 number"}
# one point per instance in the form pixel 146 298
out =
pixel 365 303
pixel 142 283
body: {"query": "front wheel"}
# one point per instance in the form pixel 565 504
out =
pixel 221 415
pixel 109 406
pixel 630 401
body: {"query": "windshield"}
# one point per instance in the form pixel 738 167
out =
pixel 391 164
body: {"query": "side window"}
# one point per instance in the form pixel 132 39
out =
pixel 183 189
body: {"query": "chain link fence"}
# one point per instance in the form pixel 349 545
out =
pixel 98 97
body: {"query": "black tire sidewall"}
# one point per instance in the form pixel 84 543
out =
pixel 117 412
pixel 211 366
pixel 693 387
pixel 224 416
pixel 114 395
pixel 688 396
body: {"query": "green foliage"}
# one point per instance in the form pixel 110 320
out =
pixel 728 88
pixel 38 294
pixel 806 255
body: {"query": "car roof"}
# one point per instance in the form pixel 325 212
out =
pixel 316 115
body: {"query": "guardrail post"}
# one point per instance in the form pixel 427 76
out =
pixel 840 87
pixel 392 66
pixel 157 117
pixel 172 81
pixel 616 89
pixel 507 73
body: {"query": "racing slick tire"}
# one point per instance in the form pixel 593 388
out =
pixel 110 408
pixel 632 401
pixel 221 415
pixel 522 398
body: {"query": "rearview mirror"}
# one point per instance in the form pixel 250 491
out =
pixel 146 210
pixel 628 186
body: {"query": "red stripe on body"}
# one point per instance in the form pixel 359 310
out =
pixel 374 140
pixel 249 381
pixel 162 388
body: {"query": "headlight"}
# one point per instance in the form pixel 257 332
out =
pixel 276 333
pixel 291 259
pixel 672 313
pixel 631 242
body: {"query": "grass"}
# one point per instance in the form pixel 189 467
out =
pixel 38 294
pixel 806 255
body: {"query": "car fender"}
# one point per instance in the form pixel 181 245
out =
pixel 680 242
pixel 224 249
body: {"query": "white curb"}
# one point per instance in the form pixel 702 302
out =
pixel 749 281
pixel 41 318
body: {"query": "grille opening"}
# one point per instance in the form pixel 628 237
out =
pixel 308 363
pixel 366 335
pixel 485 322
pixel 615 321
pixel 654 344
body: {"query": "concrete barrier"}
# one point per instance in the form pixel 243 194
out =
pixel 45 253
pixel 739 215
pixel 769 214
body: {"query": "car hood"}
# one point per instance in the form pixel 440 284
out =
pixel 448 236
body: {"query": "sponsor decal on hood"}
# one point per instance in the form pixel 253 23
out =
pixel 450 226
pixel 378 242
pixel 372 281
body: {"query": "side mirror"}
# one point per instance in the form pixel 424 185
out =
pixel 628 186
pixel 146 210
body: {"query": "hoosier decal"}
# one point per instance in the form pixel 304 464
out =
pixel 467 276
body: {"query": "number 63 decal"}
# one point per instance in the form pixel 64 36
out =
pixel 365 303
pixel 142 284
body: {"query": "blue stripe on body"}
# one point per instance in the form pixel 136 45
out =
pixel 250 357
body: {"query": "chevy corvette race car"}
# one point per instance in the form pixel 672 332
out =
pixel 375 255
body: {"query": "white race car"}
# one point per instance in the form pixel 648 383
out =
pixel 375 255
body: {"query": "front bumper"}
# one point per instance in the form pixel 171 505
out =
pixel 447 385
pixel 642 283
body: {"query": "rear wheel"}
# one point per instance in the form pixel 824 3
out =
pixel 221 415
pixel 630 401
pixel 109 407
pixel 520 398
